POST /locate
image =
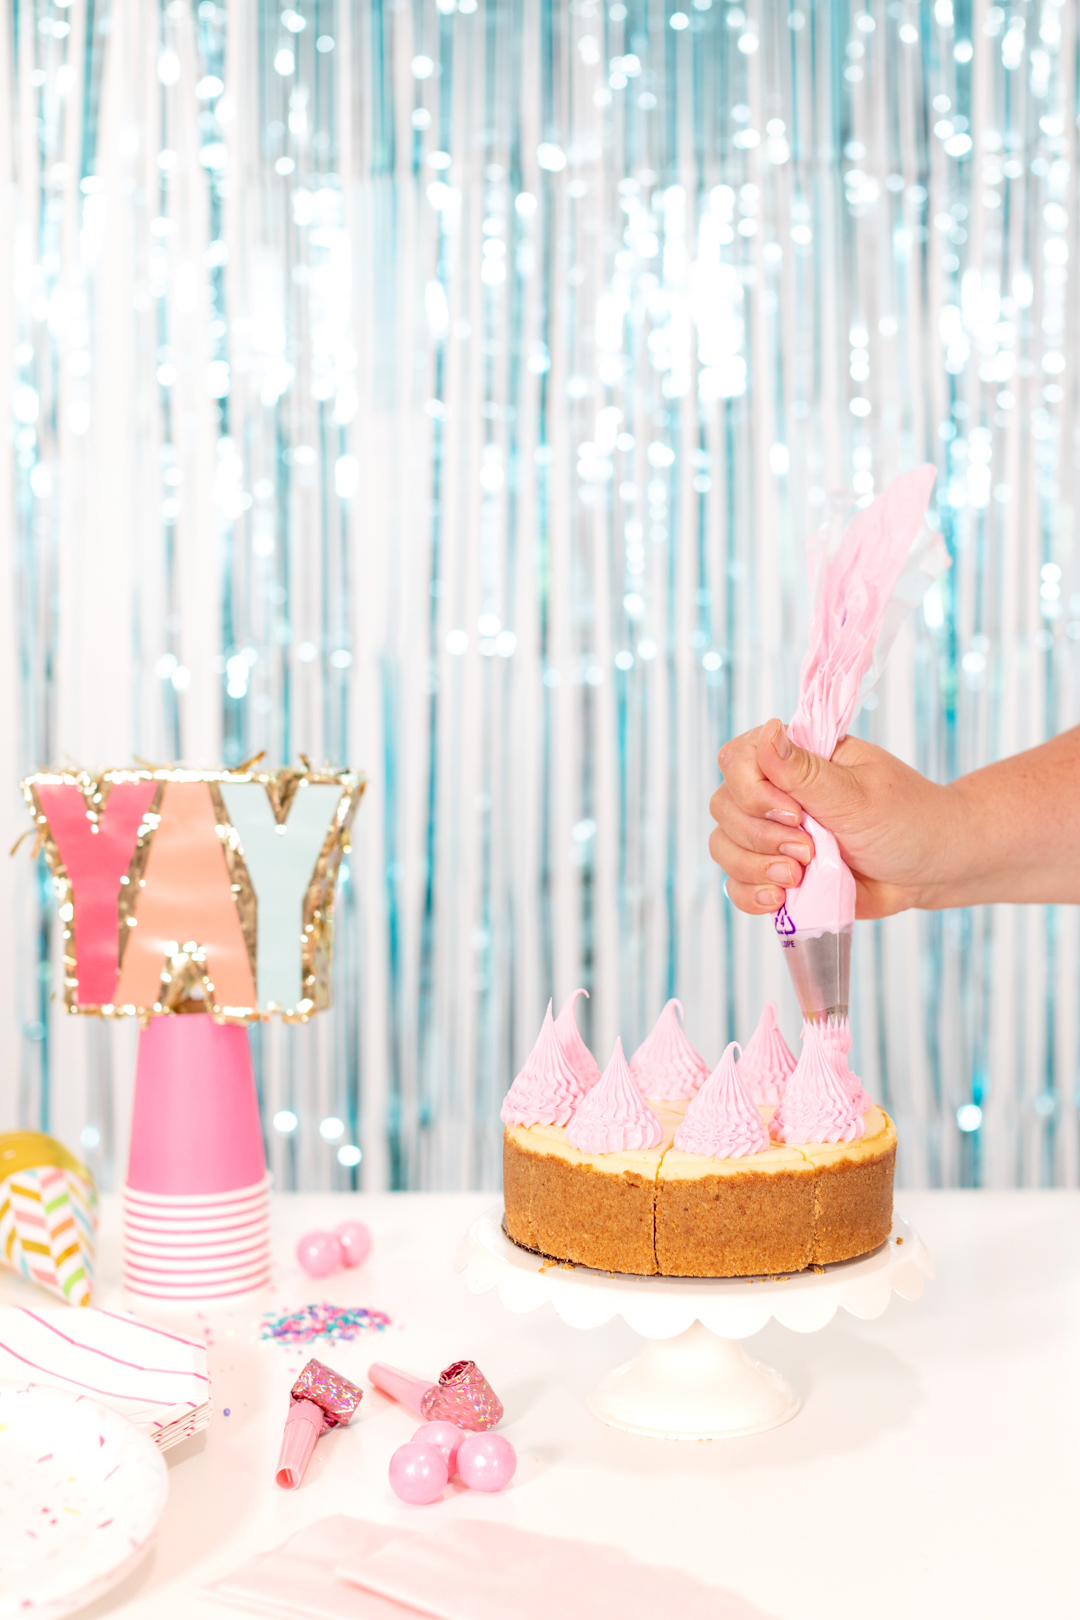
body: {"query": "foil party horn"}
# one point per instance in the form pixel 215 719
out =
pixel 462 1394
pixel 321 1399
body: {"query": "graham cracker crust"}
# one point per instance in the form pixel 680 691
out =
pixel 748 1224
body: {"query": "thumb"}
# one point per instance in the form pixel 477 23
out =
pixel 826 790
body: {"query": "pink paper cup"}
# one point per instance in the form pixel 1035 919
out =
pixel 183 1264
pixel 194 1202
pixel 205 1232
pixel 173 1276
pixel 199 1296
pixel 195 1129
pixel 208 1251
pixel 187 1276
pixel 224 1219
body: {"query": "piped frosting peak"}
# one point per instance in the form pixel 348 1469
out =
pixel 614 1116
pixel 575 1051
pixel 547 1090
pixel 767 1060
pixel 722 1122
pixel 836 1034
pixel 665 1065
pixel 816 1106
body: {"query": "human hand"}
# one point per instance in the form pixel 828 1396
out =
pixel 896 831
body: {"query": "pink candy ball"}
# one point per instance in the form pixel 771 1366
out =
pixel 418 1472
pixel 319 1253
pixel 445 1437
pixel 486 1462
pixel 355 1240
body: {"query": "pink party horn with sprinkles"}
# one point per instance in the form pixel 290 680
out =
pixel 462 1394
pixel 321 1399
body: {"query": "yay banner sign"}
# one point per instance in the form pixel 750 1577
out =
pixel 206 887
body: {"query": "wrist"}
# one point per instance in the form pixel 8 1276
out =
pixel 959 848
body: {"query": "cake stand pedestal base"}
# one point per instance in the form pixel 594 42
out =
pixel 693 1380
pixel 696 1386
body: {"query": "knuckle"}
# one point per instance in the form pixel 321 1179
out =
pixel 763 837
pixel 806 767
pixel 734 753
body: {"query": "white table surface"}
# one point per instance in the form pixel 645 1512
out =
pixel 932 1471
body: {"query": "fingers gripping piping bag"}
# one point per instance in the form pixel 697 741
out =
pixel 881 567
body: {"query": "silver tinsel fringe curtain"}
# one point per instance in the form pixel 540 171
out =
pixel 447 389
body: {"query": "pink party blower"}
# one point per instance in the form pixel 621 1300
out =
pixel 462 1394
pixel 319 1400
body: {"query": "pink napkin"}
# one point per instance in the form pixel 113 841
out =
pixel 296 1581
pixel 462 1569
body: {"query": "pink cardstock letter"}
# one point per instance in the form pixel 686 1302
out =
pixel 187 898
pixel 95 862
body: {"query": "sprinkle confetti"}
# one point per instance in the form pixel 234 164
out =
pixel 333 1322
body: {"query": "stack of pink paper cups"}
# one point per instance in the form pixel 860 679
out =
pixel 208 1247
pixel 197 1199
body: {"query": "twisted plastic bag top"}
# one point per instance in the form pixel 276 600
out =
pixel 864 586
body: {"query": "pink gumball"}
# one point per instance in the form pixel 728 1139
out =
pixel 319 1253
pixel 355 1240
pixel 445 1437
pixel 418 1473
pixel 486 1462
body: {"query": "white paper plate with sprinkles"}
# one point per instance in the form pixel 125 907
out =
pixel 81 1494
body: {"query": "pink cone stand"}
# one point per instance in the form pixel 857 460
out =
pixel 197 1198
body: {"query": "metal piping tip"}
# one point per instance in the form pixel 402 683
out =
pixel 820 967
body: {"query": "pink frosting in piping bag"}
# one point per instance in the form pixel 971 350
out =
pixel 547 1089
pixel 665 1065
pixel 575 1051
pixel 854 586
pixel 816 1106
pixel 766 1060
pixel 614 1116
pixel 836 1034
pixel 722 1122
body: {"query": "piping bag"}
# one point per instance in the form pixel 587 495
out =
pixel 321 1399
pixel 462 1394
pixel 864 587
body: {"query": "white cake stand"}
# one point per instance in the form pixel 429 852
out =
pixel 693 1380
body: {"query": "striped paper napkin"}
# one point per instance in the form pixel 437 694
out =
pixel 156 1379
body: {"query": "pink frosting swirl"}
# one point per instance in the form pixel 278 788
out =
pixel 723 1122
pixel 614 1116
pixel 665 1065
pixel 547 1089
pixel 575 1051
pixel 816 1106
pixel 767 1060
pixel 836 1033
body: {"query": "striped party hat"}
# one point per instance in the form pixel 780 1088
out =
pixel 48 1215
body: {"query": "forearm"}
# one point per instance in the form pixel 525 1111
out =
pixel 1014 831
